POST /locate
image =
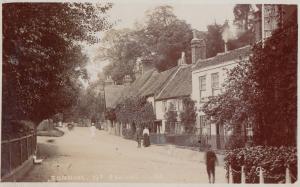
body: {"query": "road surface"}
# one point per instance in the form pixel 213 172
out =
pixel 80 157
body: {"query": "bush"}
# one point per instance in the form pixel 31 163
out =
pixel 274 160
pixel 51 133
pixel 234 142
pixel 16 129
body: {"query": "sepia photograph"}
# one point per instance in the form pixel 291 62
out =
pixel 135 92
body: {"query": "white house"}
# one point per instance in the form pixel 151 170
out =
pixel 208 76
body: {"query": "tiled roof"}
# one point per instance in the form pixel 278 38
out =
pixel 180 85
pixel 156 82
pixel 223 57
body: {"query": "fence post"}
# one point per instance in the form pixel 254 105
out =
pixel 243 177
pixel 261 176
pixel 287 176
pixel 230 175
pixel 28 154
pixel 21 151
pixel 9 145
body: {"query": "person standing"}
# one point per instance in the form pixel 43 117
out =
pixel 146 136
pixel 138 136
pixel 210 161
pixel 93 130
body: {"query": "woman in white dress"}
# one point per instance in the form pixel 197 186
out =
pixel 146 137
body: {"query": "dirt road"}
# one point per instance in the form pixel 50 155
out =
pixel 80 157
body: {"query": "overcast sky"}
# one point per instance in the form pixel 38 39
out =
pixel 196 14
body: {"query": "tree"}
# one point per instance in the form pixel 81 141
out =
pixel 214 40
pixel 244 15
pixel 121 48
pixel 42 59
pixel 166 37
pixel 171 118
pixel 110 115
pixel 188 115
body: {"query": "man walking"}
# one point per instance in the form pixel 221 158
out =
pixel 139 136
pixel 210 160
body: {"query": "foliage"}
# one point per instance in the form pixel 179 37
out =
pixel 163 36
pixel 110 114
pixel 188 115
pixel 171 118
pixel 214 41
pixel 135 110
pixel 262 92
pixel 242 16
pixel 122 49
pixel 244 20
pixel 17 129
pixel 90 104
pixel 274 160
pixel 41 54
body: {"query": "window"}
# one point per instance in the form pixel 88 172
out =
pixel 172 105
pixel 203 125
pixel 215 83
pixel 202 86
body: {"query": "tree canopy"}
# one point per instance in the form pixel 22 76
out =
pixel 42 55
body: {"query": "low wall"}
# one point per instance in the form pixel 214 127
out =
pixel 217 142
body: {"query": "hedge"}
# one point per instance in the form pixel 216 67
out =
pixel 274 161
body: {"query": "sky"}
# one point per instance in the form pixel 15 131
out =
pixel 125 14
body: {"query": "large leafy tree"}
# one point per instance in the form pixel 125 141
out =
pixel 121 48
pixel 166 37
pixel 42 58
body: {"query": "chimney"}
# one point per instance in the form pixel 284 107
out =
pixel 108 81
pixel 182 60
pixel 198 48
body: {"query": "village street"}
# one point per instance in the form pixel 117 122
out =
pixel 78 157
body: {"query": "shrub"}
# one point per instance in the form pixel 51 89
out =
pixel 234 142
pixel 16 129
pixel 274 161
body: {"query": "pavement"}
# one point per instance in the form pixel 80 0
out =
pixel 85 156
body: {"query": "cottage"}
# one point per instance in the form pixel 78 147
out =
pixel 171 97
